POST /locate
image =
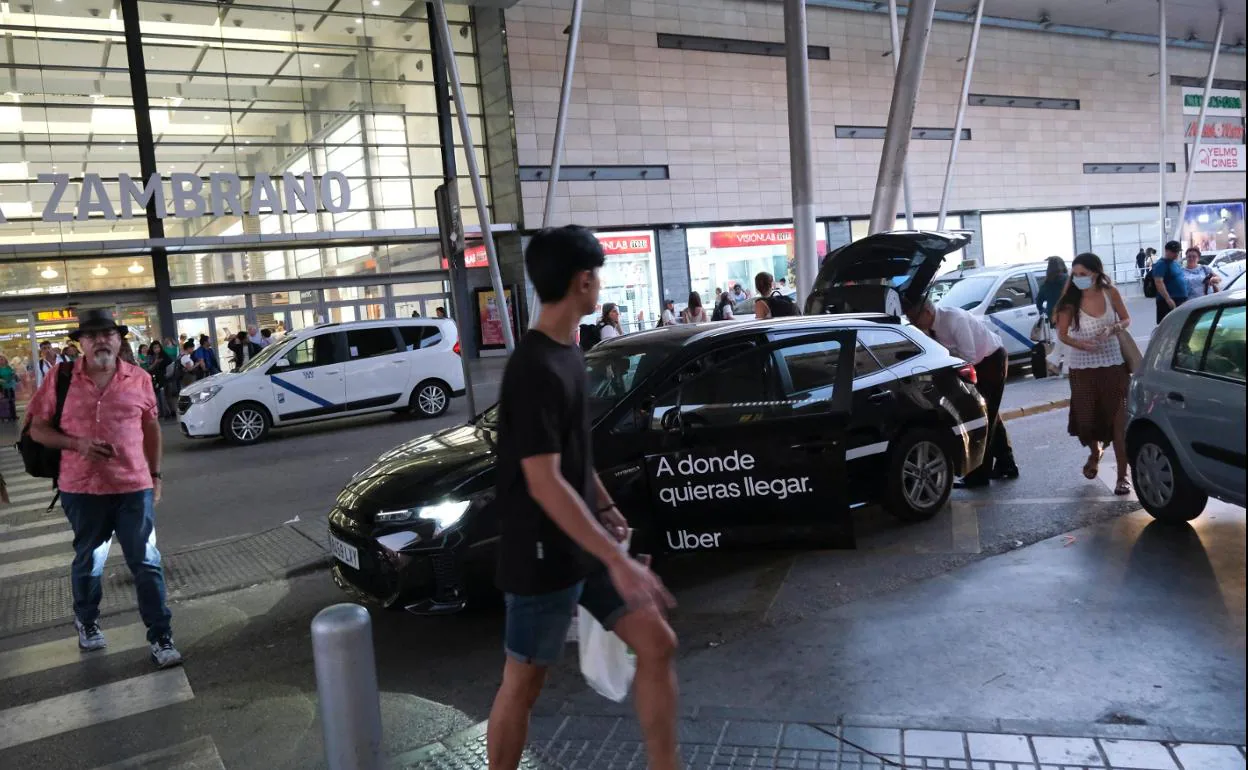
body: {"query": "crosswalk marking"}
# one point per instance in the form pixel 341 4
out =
pixel 11 511
pixel 46 563
pixel 38 541
pixel 85 708
pixel 56 521
pixel 198 754
pixel 64 652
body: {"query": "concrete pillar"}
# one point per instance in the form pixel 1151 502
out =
pixel 975 249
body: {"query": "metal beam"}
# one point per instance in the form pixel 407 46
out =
pixel 957 123
pixel 901 114
pixel 478 189
pixel 1200 128
pixel 895 35
pixel 801 154
pixel 1163 83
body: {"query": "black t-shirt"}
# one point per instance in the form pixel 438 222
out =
pixel 542 410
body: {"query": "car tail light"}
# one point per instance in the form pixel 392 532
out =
pixel 457 349
pixel 967 372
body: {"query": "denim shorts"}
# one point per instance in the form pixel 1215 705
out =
pixel 537 625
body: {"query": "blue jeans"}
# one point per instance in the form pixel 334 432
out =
pixel 96 520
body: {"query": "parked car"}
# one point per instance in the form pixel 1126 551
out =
pixel 1005 296
pixel 1185 434
pixel 1234 284
pixel 708 436
pixel 331 370
pixel 1229 263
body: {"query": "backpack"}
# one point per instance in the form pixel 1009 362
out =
pixel 1150 288
pixel 591 334
pixel 40 461
pixel 781 305
pixel 718 313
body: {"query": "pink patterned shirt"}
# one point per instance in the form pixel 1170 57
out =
pixel 116 415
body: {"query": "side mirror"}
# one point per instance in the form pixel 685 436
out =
pixel 999 304
pixel 670 421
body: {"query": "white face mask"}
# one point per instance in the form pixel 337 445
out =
pixel 1083 282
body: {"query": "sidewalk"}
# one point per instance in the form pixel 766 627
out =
pixel 722 738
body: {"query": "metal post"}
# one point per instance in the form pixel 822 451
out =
pixel 957 123
pixel 474 172
pixel 1162 77
pixel 346 687
pixel 455 260
pixel 561 124
pixel 1200 128
pixel 901 113
pixel 801 156
pixel 895 34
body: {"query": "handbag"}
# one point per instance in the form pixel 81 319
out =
pixel 1131 354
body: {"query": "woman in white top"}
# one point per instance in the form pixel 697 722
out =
pixel 610 321
pixel 694 313
pixel 1089 316
pixel 668 316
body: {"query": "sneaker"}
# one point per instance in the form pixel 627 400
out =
pixel 90 637
pixel 164 654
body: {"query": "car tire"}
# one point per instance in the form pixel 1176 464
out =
pixel 920 475
pixel 1162 486
pixel 431 398
pixel 245 424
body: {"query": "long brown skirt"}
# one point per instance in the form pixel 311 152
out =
pixel 1096 397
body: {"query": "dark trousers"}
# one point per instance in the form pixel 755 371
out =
pixel 1163 307
pixel 96 520
pixel 990 373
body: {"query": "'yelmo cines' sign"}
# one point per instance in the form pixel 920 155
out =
pixel 193 196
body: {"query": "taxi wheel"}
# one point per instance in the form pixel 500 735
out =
pixel 245 424
pixel 430 399
pixel 920 475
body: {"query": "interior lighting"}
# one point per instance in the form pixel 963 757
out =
pixel 316 65
pixel 376 3
pixel 49 273
pixel 99 271
pixel 359 20
pixel 135 268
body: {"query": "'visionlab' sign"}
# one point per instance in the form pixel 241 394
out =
pixel 193 196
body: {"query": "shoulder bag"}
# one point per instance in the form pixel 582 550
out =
pixel 40 461
pixel 1131 355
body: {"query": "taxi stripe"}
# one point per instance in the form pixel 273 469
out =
pixel 298 391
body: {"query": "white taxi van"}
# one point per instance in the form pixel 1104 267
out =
pixel 328 371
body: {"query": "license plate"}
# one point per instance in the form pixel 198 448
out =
pixel 344 552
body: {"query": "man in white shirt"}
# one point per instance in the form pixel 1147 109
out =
pixel 668 317
pixel 969 338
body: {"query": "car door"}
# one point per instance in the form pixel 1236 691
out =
pixel 1012 313
pixel 377 367
pixel 750 451
pixel 1204 398
pixel 308 379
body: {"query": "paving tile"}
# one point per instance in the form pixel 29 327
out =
pixel 1012 748
pixel 799 736
pixel 1067 751
pixel 934 743
pixel 1203 756
pixel 1137 755
pixel 763 734
pixel 877 740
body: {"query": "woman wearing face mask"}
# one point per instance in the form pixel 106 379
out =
pixel 1089 316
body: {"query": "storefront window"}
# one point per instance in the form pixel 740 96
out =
pixel 200 304
pixel 721 257
pixel 76 275
pixel 629 279
pixel 1214 226
pixel 1027 236
pixel 1119 234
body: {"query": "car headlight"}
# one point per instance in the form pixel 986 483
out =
pixel 205 394
pixel 444 515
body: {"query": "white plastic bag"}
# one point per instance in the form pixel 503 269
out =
pixel 606 662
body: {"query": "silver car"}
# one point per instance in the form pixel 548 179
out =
pixel 1185 431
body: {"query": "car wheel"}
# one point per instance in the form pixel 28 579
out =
pixel 920 475
pixel 245 424
pixel 1161 484
pixel 430 399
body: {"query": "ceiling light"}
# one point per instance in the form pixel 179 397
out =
pixel 316 65
pixel 99 271
pixel 359 20
pixel 49 273
pixel 376 3
pixel 135 268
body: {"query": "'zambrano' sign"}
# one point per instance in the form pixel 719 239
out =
pixel 191 196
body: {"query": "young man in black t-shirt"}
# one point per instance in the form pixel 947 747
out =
pixel 560 532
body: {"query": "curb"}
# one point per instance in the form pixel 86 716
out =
pixel 1041 408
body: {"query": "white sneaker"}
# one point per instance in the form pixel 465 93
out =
pixel 164 654
pixel 90 637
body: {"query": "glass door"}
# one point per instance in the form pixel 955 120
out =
pixel 18 355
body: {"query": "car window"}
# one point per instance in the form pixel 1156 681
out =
pixel 889 347
pixel 1016 290
pixel 966 293
pixel 728 386
pixel 811 368
pixel 864 362
pixel 368 343
pixel 1192 340
pixel 1225 356
pixel 420 336
pixel 321 350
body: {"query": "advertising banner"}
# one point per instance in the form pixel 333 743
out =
pixel 1217 157
pixel 624 244
pixel 474 256
pixel 732 239
pixel 1214 226
pixel 490 318
pixel 1222 103
pixel 1217 131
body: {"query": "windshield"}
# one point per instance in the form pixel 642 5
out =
pixel 261 358
pixel 965 293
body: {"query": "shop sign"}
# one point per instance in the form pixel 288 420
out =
pixel 55 315
pixel 193 196
pixel 473 257
pixel 1218 157
pixel 732 239
pixel 1216 131
pixel 1222 103
pixel 626 244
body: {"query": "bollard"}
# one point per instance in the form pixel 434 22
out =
pixel 346 686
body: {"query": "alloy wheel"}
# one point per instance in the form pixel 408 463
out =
pixel 924 475
pixel 431 399
pixel 1154 476
pixel 247 425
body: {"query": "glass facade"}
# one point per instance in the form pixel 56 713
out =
pixel 721 257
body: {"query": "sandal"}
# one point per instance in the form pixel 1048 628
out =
pixel 1091 467
pixel 1122 487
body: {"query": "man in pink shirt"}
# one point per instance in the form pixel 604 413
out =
pixel 110 443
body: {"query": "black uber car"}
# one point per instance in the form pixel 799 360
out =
pixel 709 436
